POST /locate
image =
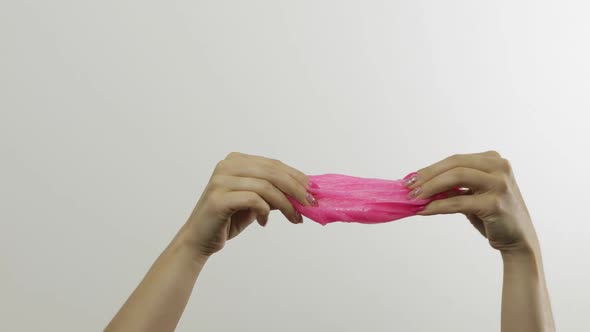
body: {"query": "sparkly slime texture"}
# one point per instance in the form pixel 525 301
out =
pixel 362 200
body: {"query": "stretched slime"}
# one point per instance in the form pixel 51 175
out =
pixel 362 200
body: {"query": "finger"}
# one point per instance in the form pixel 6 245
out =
pixel 490 153
pixel 245 200
pixel 262 220
pixel 467 204
pixel 295 173
pixel 460 177
pixel 484 162
pixel 271 194
pixel 458 191
pixel 271 173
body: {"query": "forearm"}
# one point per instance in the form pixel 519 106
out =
pixel 525 300
pixel 159 300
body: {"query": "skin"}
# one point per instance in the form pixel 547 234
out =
pixel 495 207
pixel 244 188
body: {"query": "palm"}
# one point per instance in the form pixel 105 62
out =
pixel 477 223
pixel 238 222
pixel 489 231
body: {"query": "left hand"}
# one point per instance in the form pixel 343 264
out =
pixel 493 202
pixel 243 188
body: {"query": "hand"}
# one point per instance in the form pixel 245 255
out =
pixel 491 201
pixel 243 188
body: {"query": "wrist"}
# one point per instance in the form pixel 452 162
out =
pixel 526 260
pixel 520 255
pixel 188 246
pixel 528 247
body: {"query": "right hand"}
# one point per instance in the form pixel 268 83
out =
pixel 244 188
pixel 494 204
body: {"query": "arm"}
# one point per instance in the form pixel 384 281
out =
pixel 159 300
pixel 243 188
pixel 490 198
pixel 525 299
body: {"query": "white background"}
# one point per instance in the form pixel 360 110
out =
pixel 113 114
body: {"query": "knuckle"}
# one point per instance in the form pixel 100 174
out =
pixel 460 173
pixel 454 205
pixel 493 153
pixel 232 155
pixel 494 203
pixel 221 166
pixel 304 178
pixel 251 199
pixel 455 159
pixel 271 171
pixel 505 165
pixel 215 182
pixel 502 185
pixel 276 162
pixel 266 186
pixel 215 201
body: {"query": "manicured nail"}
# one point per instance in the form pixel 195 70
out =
pixel 414 193
pixel 311 199
pixel 313 185
pixel 411 180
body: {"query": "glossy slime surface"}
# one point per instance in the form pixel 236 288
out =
pixel 361 200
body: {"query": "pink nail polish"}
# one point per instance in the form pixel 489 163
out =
pixel 411 180
pixel 311 199
pixel 414 193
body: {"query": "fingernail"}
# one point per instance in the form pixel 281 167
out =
pixel 313 185
pixel 411 180
pixel 414 193
pixel 311 199
pixel 299 218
